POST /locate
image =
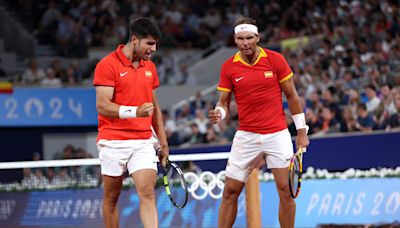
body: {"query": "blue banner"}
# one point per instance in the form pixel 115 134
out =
pixel 353 201
pixel 28 107
pixel 368 201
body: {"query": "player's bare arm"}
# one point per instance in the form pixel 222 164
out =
pixel 224 100
pixel 158 125
pixel 106 107
pixel 295 108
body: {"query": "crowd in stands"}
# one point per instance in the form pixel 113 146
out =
pixel 75 25
pixel 57 76
pixel 61 177
pixel 350 81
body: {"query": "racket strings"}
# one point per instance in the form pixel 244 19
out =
pixel 177 186
pixel 295 173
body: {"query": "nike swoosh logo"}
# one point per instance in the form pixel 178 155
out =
pixel 288 159
pixel 238 79
pixel 123 74
pixel 128 110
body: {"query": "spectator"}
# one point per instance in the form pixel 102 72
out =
pixel 201 120
pixel 198 103
pixel 365 122
pixel 33 74
pixel 394 120
pixel 170 129
pixel 68 152
pixel 373 100
pixel 313 122
pixel 58 69
pixel 211 136
pixel 71 77
pixel 195 137
pixel 51 17
pixel 190 166
pixel 348 123
pixel 328 121
pixel 51 81
pixel 64 32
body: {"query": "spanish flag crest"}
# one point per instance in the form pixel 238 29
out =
pixel 268 74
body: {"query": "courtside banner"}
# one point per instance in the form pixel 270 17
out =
pixel 27 107
pixel 369 201
pixel 352 201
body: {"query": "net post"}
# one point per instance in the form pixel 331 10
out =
pixel 253 208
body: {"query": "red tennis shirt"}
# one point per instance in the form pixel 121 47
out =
pixel 132 87
pixel 257 90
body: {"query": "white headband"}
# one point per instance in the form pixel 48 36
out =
pixel 246 28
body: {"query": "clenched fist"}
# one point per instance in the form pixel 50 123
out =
pixel 145 110
pixel 214 116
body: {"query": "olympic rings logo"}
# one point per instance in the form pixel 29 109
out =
pixel 207 183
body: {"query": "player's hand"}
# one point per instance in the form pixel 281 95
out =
pixel 163 154
pixel 145 110
pixel 302 139
pixel 214 116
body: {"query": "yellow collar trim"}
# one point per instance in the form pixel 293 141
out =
pixel 237 57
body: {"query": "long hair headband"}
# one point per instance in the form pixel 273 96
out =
pixel 246 28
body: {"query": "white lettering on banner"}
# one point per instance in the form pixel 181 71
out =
pixel 342 204
pixel 326 201
pixel 349 201
pixel 394 198
pixel 313 203
pixel 11 106
pixel 359 201
pixel 6 209
pixel 390 206
pixel 56 105
pixel 88 209
pixel 337 206
pixel 75 107
pixel 34 107
pixel 377 203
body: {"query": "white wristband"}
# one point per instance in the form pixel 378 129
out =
pixel 222 111
pixel 299 120
pixel 126 112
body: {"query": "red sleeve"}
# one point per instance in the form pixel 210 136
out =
pixel 282 67
pixel 104 74
pixel 225 82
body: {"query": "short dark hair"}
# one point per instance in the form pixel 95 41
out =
pixel 143 27
pixel 244 20
pixel 370 86
pixel 362 106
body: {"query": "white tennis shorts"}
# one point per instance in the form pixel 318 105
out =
pixel 117 156
pixel 248 148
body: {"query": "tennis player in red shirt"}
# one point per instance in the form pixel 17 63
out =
pixel 257 77
pixel 126 101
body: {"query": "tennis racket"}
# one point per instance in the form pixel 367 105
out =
pixel 295 173
pixel 173 180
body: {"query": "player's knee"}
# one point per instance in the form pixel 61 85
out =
pixel 111 197
pixel 146 193
pixel 231 193
pixel 284 192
